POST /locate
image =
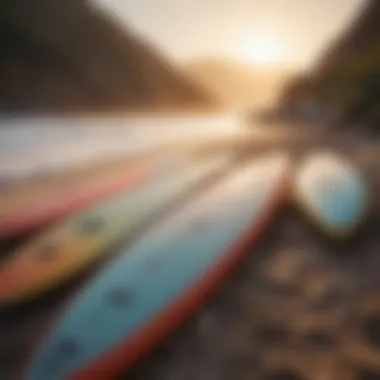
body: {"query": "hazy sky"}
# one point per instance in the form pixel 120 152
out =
pixel 288 32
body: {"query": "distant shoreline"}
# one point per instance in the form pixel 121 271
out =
pixel 146 113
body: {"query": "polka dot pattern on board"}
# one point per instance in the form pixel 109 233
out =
pixel 91 226
pixel 119 297
pixel 48 253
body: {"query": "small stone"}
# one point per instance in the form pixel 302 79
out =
pixel 371 330
pixel 273 335
pixel 368 375
pixel 319 339
pixel 282 375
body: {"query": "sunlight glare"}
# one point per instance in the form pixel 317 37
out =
pixel 263 52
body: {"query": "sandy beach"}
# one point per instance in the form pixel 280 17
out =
pixel 297 309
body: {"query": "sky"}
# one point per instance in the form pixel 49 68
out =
pixel 288 33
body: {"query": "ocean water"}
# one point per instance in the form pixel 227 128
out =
pixel 30 147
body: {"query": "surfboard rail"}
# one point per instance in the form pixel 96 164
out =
pixel 124 355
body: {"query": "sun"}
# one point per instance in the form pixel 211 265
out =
pixel 263 52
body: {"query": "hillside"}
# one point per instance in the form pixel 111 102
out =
pixel 63 55
pixel 360 36
pixel 237 84
pixel 347 76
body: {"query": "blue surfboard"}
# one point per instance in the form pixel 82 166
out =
pixel 72 246
pixel 332 193
pixel 157 282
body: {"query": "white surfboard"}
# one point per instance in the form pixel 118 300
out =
pixel 332 193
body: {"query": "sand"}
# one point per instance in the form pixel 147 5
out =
pixel 299 308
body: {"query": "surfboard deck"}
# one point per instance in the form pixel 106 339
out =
pixel 49 206
pixel 66 249
pixel 332 193
pixel 37 187
pixel 153 285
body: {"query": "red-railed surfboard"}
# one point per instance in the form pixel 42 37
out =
pixel 153 285
pixel 63 251
pixel 62 203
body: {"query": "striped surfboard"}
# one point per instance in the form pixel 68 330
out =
pixel 134 302
pixel 64 250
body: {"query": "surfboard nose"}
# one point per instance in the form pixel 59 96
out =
pixel 332 192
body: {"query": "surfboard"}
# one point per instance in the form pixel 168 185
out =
pixel 49 206
pixel 64 250
pixel 34 206
pixel 157 282
pixel 332 193
pixel 23 191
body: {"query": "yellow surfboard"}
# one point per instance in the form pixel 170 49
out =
pixel 66 249
pixel 23 212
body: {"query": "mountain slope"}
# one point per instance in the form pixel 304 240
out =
pixel 347 76
pixel 360 36
pixel 64 55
